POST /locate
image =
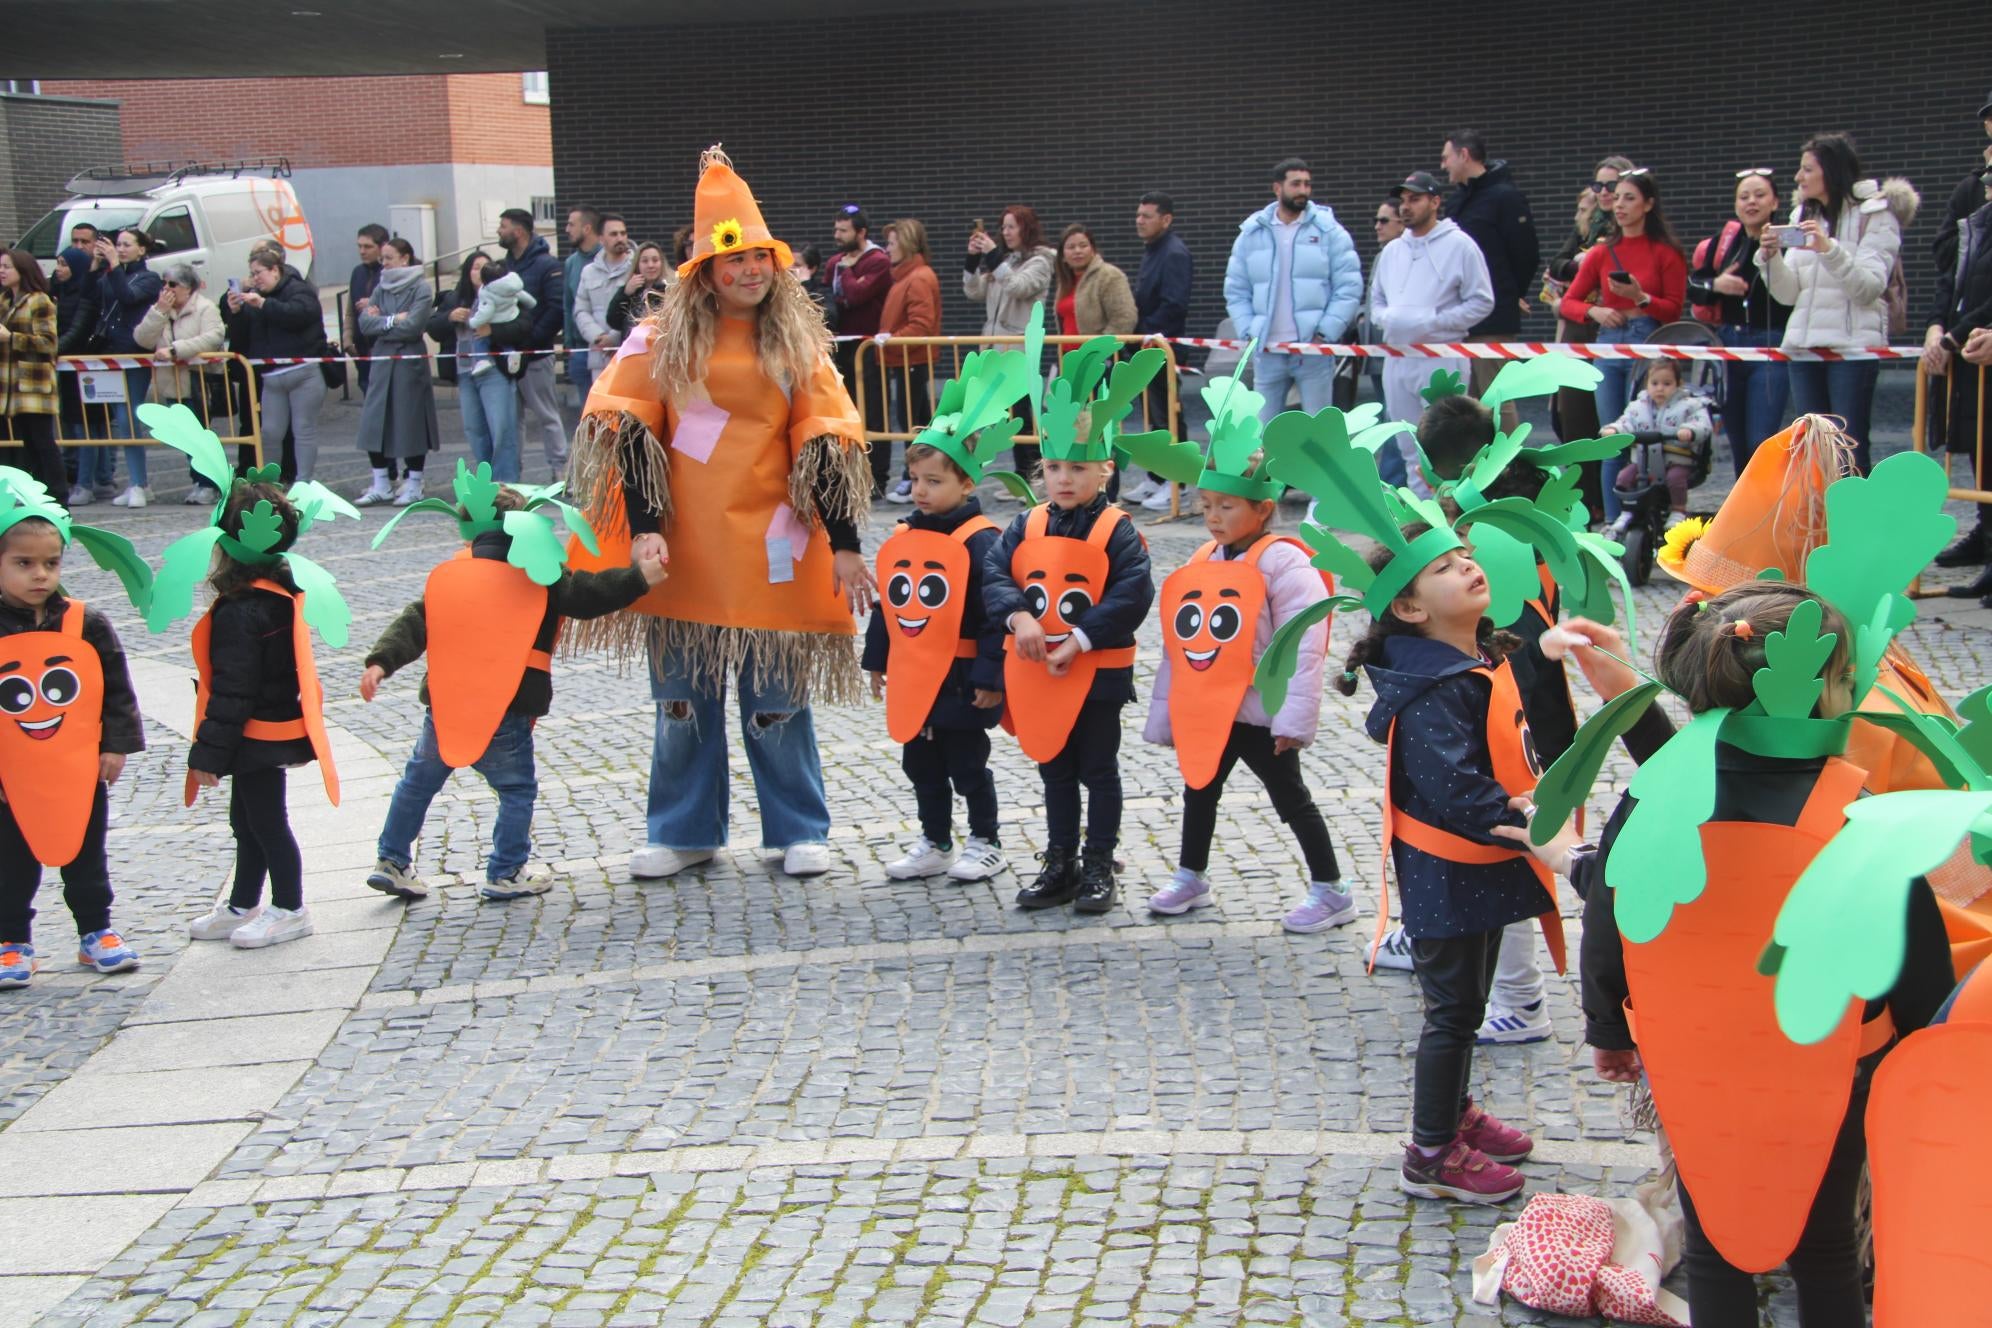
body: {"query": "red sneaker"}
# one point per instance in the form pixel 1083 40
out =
pixel 1459 1172
pixel 1500 1143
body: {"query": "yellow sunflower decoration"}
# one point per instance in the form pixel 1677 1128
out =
pixel 727 236
pixel 1681 537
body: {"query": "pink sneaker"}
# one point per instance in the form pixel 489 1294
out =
pixel 1459 1172
pixel 1498 1142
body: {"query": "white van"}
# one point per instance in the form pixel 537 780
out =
pixel 209 215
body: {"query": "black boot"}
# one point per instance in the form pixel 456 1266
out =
pixel 1969 549
pixel 1096 882
pixel 1056 884
pixel 1976 589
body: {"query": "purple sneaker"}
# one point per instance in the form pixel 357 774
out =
pixel 1324 907
pixel 1185 891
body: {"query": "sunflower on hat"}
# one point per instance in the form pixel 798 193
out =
pixel 726 219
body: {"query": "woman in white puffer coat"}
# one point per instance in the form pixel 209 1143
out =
pixel 1841 283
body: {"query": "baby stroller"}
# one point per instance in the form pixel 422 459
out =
pixel 1645 503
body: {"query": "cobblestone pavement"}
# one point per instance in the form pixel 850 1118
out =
pixel 739 1098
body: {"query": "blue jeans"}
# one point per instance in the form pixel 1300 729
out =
pixel 687 806
pixel 1615 388
pixel 1273 374
pixel 1754 396
pixel 122 424
pixel 491 420
pixel 507 766
pixel 581 374
pixel 1842 387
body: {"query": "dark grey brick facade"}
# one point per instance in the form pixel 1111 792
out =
pixel 1076 111
pixel 43 142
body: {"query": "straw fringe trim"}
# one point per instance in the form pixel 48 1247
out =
pixel 611 450
pixel 847 470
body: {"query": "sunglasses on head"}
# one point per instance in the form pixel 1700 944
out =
pixel 1637 170
pixel 851 209
pixel 1749 171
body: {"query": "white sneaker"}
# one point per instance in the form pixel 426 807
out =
pixel 901 493
pixel 1393 951
pixel 1529 1023
pixel 411 490
pixel 199 496
pixel 273 926
pixel 979 861
pixel 807 859
pixel 132 497
pixel 654 861
pixel 1139 491
pixel 377 493
pixel 219 923
pixel 1159 500
pixel 80 496
pixel 922 859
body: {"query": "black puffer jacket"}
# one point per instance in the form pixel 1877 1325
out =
pixel 288 323
pixel 1492 209
pixel 75 305
pixel 253 675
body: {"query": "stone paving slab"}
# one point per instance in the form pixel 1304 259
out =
pixel 77 1234
pixel 221 1041
pixel 26 1297
pixel 199 993
pixel 162 1097
pixel 136 1159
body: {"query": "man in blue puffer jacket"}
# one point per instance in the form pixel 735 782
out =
pixel 1293 276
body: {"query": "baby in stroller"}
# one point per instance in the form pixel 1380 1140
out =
pixel 1679 422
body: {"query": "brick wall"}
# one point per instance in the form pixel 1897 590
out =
pixel 1077 112
pixel 328 122
pixel 43 142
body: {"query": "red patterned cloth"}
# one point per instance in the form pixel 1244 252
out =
pixel 1582 1256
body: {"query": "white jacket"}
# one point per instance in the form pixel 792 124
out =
pixel 1432 287
pixel 600 280
pixel 1837 298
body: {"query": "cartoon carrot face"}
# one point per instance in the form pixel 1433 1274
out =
pixel 923 576
pixel 1061 580
pixel 51 731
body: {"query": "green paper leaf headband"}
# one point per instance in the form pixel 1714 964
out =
pixel 974 419
pixel 23 496
pixel 188 559
pixel 536 549
pixel 1235 434
pixel 1518 380
pixel 1076 425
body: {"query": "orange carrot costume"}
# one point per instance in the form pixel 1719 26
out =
pixel 740 474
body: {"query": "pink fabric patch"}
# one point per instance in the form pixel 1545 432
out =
pixel 699 426
pixel 637 342
pixel 787 540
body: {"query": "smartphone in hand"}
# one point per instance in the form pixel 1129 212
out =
pixel 1793 237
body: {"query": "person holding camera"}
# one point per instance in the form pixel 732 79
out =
pixel 1836 264
pixel 125 291
pixel 181 327
pixel 1009 276
pixel 1727 288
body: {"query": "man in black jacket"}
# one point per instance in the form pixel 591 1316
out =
pixel 1490 208
pixel 527 255
pixel 1161 309
pixel 359 286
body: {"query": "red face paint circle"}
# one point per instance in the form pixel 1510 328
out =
pixel 726 278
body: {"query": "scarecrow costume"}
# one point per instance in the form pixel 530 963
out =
pixel 753 479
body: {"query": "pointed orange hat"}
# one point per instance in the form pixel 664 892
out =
pixel 1775 515
pixel 725 216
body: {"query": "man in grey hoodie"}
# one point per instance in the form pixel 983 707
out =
pixel 600 280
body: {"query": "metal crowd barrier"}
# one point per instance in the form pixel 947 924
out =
pixel 933 360
pixel 91 387
pixel 1920 428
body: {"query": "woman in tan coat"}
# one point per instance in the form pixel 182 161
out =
pixel 912 309
pixel 1093 294
pixel 180 327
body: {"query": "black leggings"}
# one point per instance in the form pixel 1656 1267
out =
pixel 958 757
pixel 1455 974
pixel 1091 756
pixel 86 882
pixel 382 461
pixel 1825 1266
pixel 35 434
pixel 1280 773
pixel 264 844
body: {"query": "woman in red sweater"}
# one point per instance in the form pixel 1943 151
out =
pixel 1641 281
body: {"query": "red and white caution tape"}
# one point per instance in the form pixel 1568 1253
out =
pixel 1528 350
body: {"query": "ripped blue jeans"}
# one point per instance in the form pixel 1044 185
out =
pixel 688 763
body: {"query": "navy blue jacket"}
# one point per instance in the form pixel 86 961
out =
pixel 1444 776
pixel 124 293
pixel 252 666
pixel 545 281
pixel 1492 210
pixel 954 707
pixel 1124 601
pixel 1162 286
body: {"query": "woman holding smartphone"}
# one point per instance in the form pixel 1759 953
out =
pixel 1729 280
pixel 1641 281
pixel 1833 265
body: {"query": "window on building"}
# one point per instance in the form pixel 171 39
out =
pixel 543 213
pixel 533 87
pixel 29 87
pixel 172 232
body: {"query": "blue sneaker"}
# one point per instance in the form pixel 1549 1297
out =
pixel 1185 891
pixel 106 952
pixel 1324 907
pixel 17 963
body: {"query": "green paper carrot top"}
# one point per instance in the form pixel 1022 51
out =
pixel 23 496
pixel 973 419
pixel 536 549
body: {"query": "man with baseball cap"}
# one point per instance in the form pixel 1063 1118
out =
pixel 1429 284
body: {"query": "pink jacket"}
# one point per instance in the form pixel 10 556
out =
pixel 1292 583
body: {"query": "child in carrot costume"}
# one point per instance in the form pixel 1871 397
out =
pixel 1458 753
pixel 1219 613
pixel 931 648
pixel 1757 933
pixel 258 708
pixel 1070 581
pixel 488 620
pixel 68 719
